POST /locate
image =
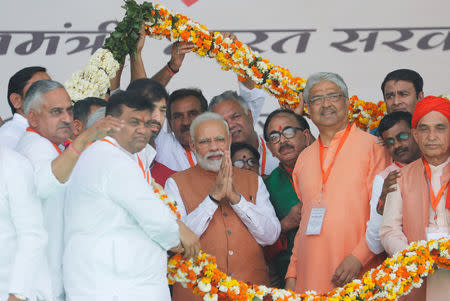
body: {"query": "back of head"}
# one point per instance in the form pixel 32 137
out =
pixel 406 75
pixel 228 95
pixel 149 88
pixel 303 124
pixel 319 77
pixel 34 98
pixel 182 93
pixel 129 99
pixel 392 119
pixel 82 108
pixel 19 80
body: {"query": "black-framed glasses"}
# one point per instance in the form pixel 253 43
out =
pixel 318 99
pixel 288 133
pixel 250 162
pixel 403 136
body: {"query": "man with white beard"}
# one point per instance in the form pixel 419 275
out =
pixel 227 207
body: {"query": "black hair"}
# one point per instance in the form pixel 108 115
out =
pixel 149 88
pixel 82 107
pixel 182 93
pixel 19 80
pixel 406 75
pixel 129 99
pixel 300 119
pixel 237 146
pixel 392 119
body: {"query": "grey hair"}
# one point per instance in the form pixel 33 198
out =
pixel 228 95
pixel 34 98
pixel 319 77
pixel 96 116
pixel 207 116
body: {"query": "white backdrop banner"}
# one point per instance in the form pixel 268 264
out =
pixel 361 40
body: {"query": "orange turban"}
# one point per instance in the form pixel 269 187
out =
pixel 428 104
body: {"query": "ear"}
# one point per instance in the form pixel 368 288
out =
pixel 191 144
pixel 420 96
pixel 250 116
pixel 16 100
pixel 415 135
pixel 309 138
pixel 77 127
pixel 33 118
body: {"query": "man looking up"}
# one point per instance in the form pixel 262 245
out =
pixel 419 207
pixel 395 130
pixel 227 207
pixel 401 89
pixel 18 86
pixel 236 112
pixel 287 135
pixel 49 111
pixel 117 230
pixel 333 177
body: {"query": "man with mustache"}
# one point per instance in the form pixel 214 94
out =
pixel 333 178
pixel 418 209
pixel 157 95
pixel 18 86
pixel 227 207
pixel 395 130
pixel 50 115
pixel 401 89
pixel 287 135
pixel 234 109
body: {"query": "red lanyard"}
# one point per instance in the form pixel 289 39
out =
pixel 146 174
pixel 398 164
pixel 54 145
pixel 288 173
pixel 263 161
pixel 435 200
pixel 189 156
pixel 326 173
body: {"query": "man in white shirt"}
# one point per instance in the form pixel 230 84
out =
pixel 49 111
pixel 227 207
pixel 234 109
pixel 117 231
pixel 395 130
pixel 18 86
pixel 22 235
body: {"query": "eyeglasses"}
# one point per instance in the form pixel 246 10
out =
pixel 204 142
pixel 288 133
pixel 250 162
pixel 403 136
pixel 319 99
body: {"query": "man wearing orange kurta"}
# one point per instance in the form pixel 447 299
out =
pixel 417 210
pixel 333 177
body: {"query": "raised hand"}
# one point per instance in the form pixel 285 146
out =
pixel 179 50
pixel 388 186
pixel 102 128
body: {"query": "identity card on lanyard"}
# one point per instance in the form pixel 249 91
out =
pixel 319 208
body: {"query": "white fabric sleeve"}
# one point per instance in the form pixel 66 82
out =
pixel 254 98
pixel 373 225
pixel 198 220
pixel 259 218
pixel 127 187
pixel 26 215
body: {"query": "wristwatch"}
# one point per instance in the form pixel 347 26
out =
pixel 20 297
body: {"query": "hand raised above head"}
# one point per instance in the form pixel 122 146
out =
pixel 179 50
pixel 104 127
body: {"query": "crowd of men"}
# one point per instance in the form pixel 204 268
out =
pixel 80 217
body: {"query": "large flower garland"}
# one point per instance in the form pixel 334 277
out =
pixel 395 277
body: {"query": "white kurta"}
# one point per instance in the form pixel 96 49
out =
pixel 23 239
pixel 41 152
pixel 12 131
pixel 259 218
pixel 117 231
pixel 373 225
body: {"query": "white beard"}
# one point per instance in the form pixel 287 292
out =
pixel 205 163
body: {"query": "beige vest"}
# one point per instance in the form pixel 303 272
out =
pixel 227 238
pixel 416 201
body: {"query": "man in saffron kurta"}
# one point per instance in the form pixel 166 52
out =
pixel 351 159
pixel 417 210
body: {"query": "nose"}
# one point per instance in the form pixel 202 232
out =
pixel 396 99
pixel 67 117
